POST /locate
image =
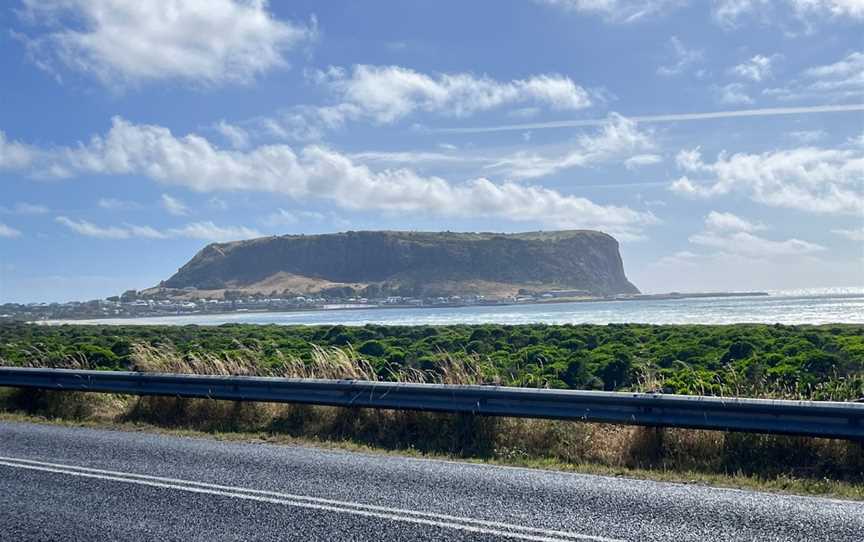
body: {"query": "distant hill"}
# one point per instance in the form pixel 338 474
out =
pixel 375 263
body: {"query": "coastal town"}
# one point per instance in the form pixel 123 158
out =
pixel 133 304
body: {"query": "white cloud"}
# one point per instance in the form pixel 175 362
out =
pixel 173 205
pixel 209 231
pixel 683 58
pixel 730 13
pixel 729 222
pixel 620 136
pixel 641 160
pixel 853 235
pixel 829 8
pixel 197 230
pixel 758 68
pixel 388 93
pixel 847 73
pixel 197 41
pixel 281 217
pixel 733 94
pixel 807 178
pixel 115 204
pixel 8 232
pixel 89 229
pixel 727 13
pixel 15 155
pixel 416 157
pixel 840 80
pixel 318 172
pixel 734 235
pixel 235 135
pixel 724 271
pixel 753 246
pixel 617 11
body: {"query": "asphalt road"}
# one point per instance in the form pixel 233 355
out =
pixel 81 484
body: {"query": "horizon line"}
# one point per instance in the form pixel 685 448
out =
pixel 671 117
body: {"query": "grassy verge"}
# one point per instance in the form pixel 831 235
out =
pixel 760 462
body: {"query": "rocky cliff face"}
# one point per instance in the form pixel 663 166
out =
pixel 411 263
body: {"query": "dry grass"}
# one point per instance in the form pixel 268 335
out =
pixel 330 363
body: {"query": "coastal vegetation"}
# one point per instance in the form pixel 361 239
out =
pixel 808 362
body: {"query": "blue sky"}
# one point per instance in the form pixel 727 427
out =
pixel 721 142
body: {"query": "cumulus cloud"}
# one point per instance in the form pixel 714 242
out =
pixel 682 58
pixel 829 8
pixel 731 13
pixel 317 172
pixel 838 80
pixel 15 155
pixel 207 231
pixel 616 11
pixel 724 222
pixel 8 232
pixel 388 93
pixel 845 74
pixel 173 205
pixel 281 217
pixel 619 137
pixel 807 178
pixel 197 41
pixel 732 257
pixel 733 94
pixel 734 235
pixel 83 227
pixel 757 68
pixel 753 246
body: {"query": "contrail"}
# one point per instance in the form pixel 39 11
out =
pixel 764 112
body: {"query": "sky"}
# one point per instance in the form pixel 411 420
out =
pixel 721 142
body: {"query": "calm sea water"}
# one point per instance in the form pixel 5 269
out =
pixel 801 307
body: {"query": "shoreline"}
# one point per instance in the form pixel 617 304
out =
pixel 671 296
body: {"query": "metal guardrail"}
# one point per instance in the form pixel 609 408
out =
pixel 808 418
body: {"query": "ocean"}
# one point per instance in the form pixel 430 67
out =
pixel 784 307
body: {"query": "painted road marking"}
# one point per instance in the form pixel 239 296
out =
pixel 303 501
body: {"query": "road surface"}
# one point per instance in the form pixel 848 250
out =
pixel 70 484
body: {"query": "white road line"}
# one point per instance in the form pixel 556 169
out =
pixel 302 501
